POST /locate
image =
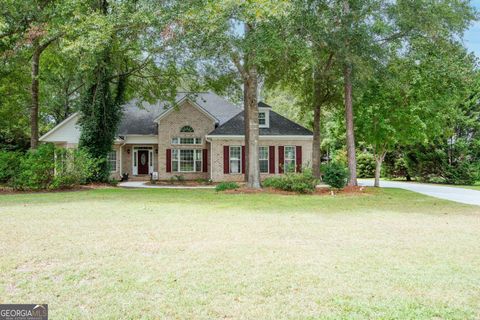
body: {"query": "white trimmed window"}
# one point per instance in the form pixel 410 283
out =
pixel 289 159
pixel 262 119
pixel 177 140
pixel 263 158
pixel 112 161
pixel 235 159
pixel 184 160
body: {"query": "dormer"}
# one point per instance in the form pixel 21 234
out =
pixel 263 115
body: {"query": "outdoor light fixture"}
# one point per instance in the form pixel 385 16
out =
pixel 128 151
pixel 156 151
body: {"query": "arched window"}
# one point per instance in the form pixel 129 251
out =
pixel 186 129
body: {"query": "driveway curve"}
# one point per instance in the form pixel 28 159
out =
pixel 461 195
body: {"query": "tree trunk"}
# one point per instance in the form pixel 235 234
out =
pixel 246 125
pixel 378 168
pixel 252 135
pixel 34 92
pixel 316 153
pixel 351 157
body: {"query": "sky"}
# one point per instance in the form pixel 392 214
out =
pixel 472 35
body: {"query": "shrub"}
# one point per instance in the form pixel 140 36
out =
pixel 335 175
pixel 9 165
pixel 51 168
pixel 203 181
pixel 461 173
pixel 74 167
pixel 36 169
pixel 365 165
pixel 226 186
pixel 303 182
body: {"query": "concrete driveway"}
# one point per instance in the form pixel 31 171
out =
pixel 461 195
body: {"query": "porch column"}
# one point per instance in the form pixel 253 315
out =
pixel 121 160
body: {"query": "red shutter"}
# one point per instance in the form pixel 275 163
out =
pixel 280 158
pixel 243 159
pixel 226 160
pixel 169 160
pixel 205 160
pixel 271 159
pixel 298 156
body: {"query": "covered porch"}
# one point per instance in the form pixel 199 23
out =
pixel 138 161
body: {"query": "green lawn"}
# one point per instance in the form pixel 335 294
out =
pixel 195 254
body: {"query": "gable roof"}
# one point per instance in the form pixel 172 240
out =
pixel 141 120
pixel 279 126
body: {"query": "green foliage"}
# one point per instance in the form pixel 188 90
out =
pixel 365 165
pixel 303 182
pixel 177 178
pixel 48 168
pixel 9 165
pixel 100 115
pixel 203 181
pixel 36 169
pixel 335 175
pixel 74 167
pixel 226 186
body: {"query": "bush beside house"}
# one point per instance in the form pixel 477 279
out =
pixel 47 167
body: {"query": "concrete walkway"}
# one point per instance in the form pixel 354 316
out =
pixel 461 195
pixel 142 184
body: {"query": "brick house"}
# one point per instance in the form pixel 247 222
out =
pixel 202 136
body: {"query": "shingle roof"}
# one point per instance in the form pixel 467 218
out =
pixel 279 125
pixel 140 119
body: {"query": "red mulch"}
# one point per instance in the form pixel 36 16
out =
pixel 318 191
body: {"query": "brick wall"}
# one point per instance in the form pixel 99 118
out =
pixel 169 127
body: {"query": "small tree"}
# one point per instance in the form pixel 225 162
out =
pixel 335 175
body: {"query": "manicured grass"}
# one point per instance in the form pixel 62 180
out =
pixel 196 254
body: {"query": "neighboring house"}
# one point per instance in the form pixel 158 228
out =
pixel 202 136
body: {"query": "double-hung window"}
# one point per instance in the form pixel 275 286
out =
pixel 263 158
pixel 289 159
pixel 112 160
pixel 185 160
pixel 235 159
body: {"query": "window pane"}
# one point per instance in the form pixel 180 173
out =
pixel 186 160
pixel 174 140
pixel 112 160
pixel 261 118
pixel 290 152
pixel 198 140
pixel 263 153
pixel 235 153
pixel 234 166
pixel 263 166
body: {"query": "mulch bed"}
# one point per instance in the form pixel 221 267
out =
pixel 187 183
pixel 318 191
pixel 8 190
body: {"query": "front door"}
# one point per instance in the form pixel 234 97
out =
pixel 142 161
